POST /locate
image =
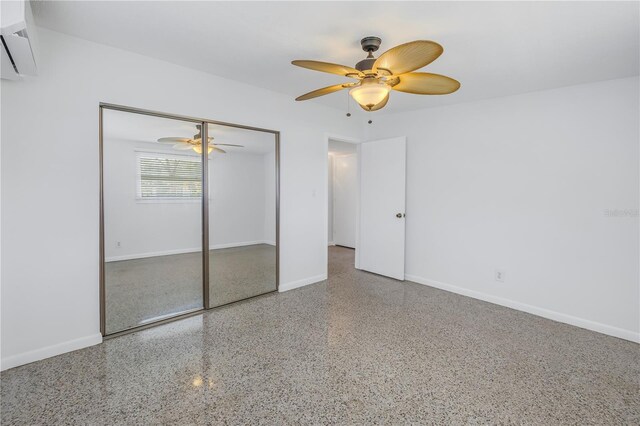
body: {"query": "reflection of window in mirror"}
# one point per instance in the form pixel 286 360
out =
pixel 165 177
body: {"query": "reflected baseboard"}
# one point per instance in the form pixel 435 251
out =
pixel 186 250
pixel 242 244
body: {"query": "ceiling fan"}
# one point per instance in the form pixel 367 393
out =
pixel 393 70
pixel 195 143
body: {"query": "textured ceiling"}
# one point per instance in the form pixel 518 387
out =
pixel 493 48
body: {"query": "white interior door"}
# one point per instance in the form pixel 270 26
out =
pixel 382 207
pixel 345 192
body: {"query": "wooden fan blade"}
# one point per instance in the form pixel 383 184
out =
pixel 182 146
pixel 330 68
pixel 219 150
pixel 378 106
pixel 424 83
pixel 173 140
pixel 408 57
pixel 320 92
pixel 228 144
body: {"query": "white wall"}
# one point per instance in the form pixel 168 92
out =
pixel 330 196
pixel 337 148
pixel 237 209
pixel 525 183
pixel 270 197
pixel 50 180
pixel 345 195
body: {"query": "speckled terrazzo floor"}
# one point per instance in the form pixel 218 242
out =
pixel 141 290
pixel 356 349
pixel 240 272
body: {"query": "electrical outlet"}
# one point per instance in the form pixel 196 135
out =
pixel 500 275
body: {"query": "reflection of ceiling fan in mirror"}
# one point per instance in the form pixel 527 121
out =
pixel 195 143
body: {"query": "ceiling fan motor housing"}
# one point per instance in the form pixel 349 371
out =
pixel 371 43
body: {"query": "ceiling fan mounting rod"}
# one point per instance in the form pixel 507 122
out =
pixel 369 44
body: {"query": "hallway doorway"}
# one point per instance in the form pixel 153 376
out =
pixel 342 205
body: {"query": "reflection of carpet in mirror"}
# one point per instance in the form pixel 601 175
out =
pixel 140 290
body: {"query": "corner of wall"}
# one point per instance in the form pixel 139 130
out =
pixel 301 283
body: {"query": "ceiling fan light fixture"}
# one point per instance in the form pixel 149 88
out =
pixel 393 70
pixel 370 93
pixel 198 149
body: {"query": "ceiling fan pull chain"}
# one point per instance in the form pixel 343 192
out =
pixel 348 105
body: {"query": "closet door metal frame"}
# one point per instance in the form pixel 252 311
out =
pixel 204 129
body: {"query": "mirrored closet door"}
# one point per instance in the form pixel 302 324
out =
pixel 185 225
pixel 242 214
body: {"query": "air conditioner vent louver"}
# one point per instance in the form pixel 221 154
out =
pixel 17 56
pixel 6 56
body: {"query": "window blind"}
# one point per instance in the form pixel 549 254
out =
pixel 166 176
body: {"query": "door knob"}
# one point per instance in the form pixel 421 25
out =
pixel 399 215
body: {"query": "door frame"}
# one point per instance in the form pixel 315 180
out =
pixel 205 211
pixel 347 139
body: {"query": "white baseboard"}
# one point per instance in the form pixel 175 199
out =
pixel 187 250
pixel 301 283
pixel 49 351
pixel 331 243
pixel 535 310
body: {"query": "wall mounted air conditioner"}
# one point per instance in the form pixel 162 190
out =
pixel 18 40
